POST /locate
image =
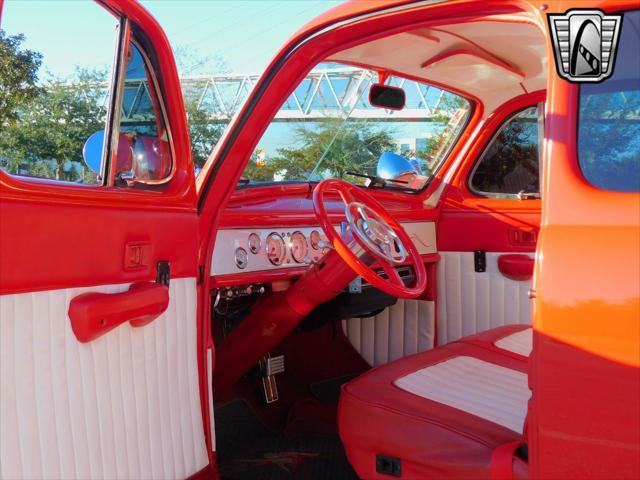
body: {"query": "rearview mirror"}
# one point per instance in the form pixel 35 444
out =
pixel 385 96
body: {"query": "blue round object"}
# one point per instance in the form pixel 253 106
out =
pixel 92 151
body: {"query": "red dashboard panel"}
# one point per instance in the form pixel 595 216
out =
pixel 292 205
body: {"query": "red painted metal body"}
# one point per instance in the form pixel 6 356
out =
pixel 584 373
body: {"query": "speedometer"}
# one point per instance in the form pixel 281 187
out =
pixel 276 249
pixel 298 246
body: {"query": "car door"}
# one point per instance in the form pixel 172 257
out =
pixel 99 332
pixel 585 367
pixel 488 225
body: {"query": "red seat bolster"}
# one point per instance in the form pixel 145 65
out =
pixel 433 440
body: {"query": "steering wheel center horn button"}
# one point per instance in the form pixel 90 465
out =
pixel 375 232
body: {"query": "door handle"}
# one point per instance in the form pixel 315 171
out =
pixel 94 314
pixel 516 266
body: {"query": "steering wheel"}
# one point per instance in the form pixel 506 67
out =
pixel 373 234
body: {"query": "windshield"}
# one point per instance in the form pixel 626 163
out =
pixel 328 129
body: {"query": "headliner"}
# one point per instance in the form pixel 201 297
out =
pixel 494 59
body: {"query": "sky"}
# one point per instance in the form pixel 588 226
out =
pixel 241 35
pixel 212 36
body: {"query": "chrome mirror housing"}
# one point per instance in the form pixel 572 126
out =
pixel 392 166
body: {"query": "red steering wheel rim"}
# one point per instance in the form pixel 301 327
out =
pixel 394 285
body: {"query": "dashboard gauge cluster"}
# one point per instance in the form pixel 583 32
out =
pixel 253 249
pixel 286 248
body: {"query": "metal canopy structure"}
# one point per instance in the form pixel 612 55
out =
pixel 324 93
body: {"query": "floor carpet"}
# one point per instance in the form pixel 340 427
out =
pixel 248 450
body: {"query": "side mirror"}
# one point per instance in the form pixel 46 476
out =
pixel 385 96
pixel 92 151
pixel 392 166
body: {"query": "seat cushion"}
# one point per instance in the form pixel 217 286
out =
pixel 441 412
pixel 512 340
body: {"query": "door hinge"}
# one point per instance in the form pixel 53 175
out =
pixel 163 273
pixel 480 260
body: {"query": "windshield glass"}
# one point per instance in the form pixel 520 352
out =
pixel 328 129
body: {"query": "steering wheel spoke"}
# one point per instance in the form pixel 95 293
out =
pixel 392 274
pixel 377 234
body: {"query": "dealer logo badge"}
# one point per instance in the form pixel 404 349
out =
pixel 585 43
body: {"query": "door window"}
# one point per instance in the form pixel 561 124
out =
pixel 609 119
pixel 56 99
pixel 53 93
pixel 510 165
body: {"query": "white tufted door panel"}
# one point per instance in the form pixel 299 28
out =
pixel 125 405
pixel 470 302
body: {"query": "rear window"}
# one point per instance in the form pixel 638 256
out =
pixel 609 118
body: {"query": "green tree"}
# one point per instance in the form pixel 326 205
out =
pixel 49 133
pixel 18 77
pixel 334 146
pixel 204 133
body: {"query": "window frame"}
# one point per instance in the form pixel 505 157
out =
pixel 154 86
pixel 509 196
pixel 576 145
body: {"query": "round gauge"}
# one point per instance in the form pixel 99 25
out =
pixel 298 247
pixel 241 258
pixel 315 239
pixel 276 249
pixel 254 243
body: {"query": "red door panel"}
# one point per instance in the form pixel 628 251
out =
pixel 48 246
pixel 103 371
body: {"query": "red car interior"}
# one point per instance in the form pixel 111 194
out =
pixel 405 328
pixel 468 396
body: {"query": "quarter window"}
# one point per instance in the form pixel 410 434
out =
pixel 609 119
pixel 144 154
pixel 510 165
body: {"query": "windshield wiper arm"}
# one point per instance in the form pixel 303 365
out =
pixel 377 182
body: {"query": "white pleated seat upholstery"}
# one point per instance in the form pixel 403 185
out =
pixel 520 342
pixel 495 393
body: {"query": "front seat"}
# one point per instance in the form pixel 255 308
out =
pixel 444 413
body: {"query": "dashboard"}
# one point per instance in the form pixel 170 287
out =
pixel 245 250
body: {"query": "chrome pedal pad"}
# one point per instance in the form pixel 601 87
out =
pixel 271 366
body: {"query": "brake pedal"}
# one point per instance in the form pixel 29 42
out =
pixel 270 367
